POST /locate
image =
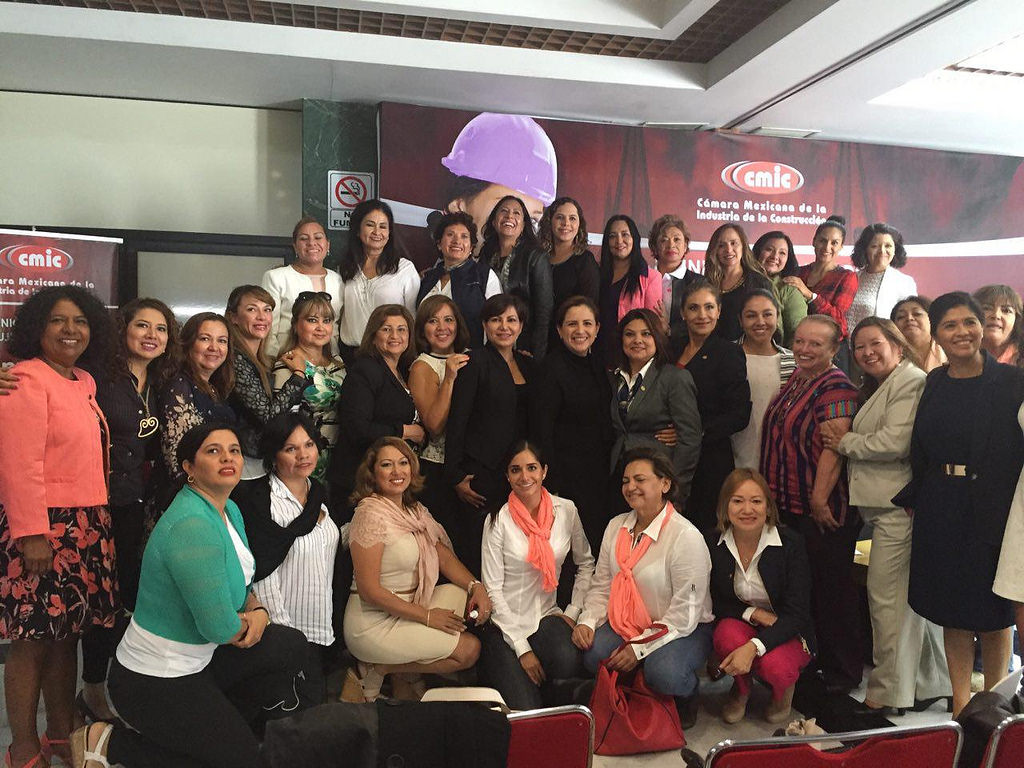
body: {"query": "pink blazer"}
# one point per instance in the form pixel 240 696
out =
pixel 54 447
pixel 647 295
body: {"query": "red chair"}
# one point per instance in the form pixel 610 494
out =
pixel 935 746
pixel 1006 747
pixel 558 737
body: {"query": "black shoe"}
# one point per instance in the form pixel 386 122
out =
pixel 837 684
pixel 687 707
pixel 864 709
pixel 920 705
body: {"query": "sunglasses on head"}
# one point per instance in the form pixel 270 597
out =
pixel 310 295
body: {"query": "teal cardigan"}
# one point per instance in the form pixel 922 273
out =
pixel 191 587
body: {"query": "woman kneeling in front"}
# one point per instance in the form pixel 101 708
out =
pixel 761 591
pixel 397 620
pixel 654 567
pixel 200 662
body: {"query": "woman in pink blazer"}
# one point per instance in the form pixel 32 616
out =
pixel 627 282
pixel 56 548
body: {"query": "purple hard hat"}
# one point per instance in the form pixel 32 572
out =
pixel 506 149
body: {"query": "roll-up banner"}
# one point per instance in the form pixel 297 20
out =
pixel 32 260
pixel 961 214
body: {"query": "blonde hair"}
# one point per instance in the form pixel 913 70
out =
pixel 300 309
pixel 734 480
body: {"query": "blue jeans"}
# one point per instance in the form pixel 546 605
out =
pixel 499 666
pixel 671 670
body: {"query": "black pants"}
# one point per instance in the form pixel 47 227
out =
pixel 99 643
pixel 206 720
pixel 835 605
pixel 499 666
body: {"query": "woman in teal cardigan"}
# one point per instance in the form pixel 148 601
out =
pixel 197 634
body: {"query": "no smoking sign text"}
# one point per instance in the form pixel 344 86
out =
pixel 345 190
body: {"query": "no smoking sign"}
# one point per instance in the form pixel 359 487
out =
pixel 345 190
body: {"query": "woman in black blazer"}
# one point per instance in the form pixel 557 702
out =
pixel 489 412
pixel 719 370
pixel 761 596
pixel 374 400
pixel 570 417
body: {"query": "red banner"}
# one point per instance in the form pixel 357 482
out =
pixel 962 215
pixel 33 260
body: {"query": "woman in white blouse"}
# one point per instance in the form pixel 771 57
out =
pixel 524 545
pixel 769 367
pixel 878 256
pixel 654 569
pixel 373 272
pixel 292 536
pixel 306 273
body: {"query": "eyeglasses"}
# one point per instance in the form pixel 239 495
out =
pixel 310 295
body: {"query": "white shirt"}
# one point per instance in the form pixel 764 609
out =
pixel 673 578
pixel 285 284
pixel 515 587
pixel 630 378
pixel 747 584
pixel 764 373
pixel 361 295
pixel 298 593
pixel 493 287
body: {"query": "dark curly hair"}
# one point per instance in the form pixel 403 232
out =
pixel 859 257
pixel 32 317
pixel 440 223
pixel 545 234
pixel 166 365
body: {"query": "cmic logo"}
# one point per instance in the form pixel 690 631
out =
pixel 29 256
pixel 762 177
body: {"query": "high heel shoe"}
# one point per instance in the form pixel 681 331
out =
pixel 33 762
pixel 371 681
pixel 81 755
pixel 62 751
pixel 920 705
pixel 87 712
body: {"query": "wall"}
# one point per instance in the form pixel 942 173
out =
pixel 75 161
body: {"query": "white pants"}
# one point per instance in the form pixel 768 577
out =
pixel 910 662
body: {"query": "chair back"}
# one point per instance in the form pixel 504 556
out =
pixel 557 737
pixel 935 746
pixel 1006 747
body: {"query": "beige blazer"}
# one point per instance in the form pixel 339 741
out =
pixel 878 444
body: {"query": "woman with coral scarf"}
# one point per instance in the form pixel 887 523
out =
pixel 654 567
pixel 524 545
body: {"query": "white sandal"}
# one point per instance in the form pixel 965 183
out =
pixel 371 681
pixel 82 756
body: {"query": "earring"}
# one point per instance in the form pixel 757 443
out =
pixel 190 480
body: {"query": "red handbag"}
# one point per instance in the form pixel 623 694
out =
pixel 630 718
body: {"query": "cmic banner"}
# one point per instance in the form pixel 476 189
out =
pixel 33 260
pixel 960 214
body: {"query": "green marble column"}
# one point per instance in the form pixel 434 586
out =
pixel 336 136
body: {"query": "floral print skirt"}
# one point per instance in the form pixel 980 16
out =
pixel 79 592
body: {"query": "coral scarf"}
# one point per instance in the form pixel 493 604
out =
pixel 626 610
pixel 538 535
pixel 416 520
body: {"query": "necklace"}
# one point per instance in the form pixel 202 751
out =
pixel 148 424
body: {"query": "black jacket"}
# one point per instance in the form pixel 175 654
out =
pixel 996 451
pixel 529 278
pixel 676 324
pixel 787 580
pixel 372 403
pixel 468 284
pixel 482 421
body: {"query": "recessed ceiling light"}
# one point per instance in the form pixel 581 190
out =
pixel 785 133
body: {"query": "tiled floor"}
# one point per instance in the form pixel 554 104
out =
pixel 708 731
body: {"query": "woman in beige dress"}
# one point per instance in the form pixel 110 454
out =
pixel 1010 574
pixel 397 620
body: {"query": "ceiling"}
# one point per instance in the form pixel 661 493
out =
pixel 911 72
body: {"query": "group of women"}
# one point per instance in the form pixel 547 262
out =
pixel 405 462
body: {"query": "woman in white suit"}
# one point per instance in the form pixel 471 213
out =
pixel 910 665
pixel 879 255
